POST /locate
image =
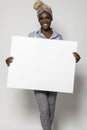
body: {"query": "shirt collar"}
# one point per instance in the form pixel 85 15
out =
pixel 53 36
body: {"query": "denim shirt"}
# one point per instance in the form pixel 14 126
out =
pixel 38 34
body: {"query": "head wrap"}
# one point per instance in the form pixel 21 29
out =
pixel 40 7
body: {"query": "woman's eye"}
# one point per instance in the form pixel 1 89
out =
pixel 47 17
pixel 41 18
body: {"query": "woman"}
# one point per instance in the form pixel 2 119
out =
pixel 46 100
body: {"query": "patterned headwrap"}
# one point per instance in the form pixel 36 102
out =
pixel 40 7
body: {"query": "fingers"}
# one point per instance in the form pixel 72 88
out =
pixel 9 60
pixel 77 56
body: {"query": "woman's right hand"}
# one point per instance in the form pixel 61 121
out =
pixel 9 60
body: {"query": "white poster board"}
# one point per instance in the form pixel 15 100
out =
pixel 42 64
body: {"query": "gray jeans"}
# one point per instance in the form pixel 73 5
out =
pixel 46 102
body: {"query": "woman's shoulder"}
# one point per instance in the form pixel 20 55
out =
pixel 57 35
pixel 60 37
pixel 32 34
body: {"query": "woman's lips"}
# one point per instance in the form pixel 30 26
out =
pixel 45 25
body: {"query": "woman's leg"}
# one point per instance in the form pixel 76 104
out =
pixel 42 100
pixel 52 102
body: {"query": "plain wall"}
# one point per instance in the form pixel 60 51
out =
pixel 18 108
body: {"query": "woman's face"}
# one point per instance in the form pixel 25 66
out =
pixel 45 20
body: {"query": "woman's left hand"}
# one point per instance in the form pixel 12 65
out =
pixel 77 56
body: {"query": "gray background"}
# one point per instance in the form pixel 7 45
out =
pixel 18 108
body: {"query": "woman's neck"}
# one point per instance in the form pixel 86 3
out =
pixel 47 32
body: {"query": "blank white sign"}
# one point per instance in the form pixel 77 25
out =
pixel 42 64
